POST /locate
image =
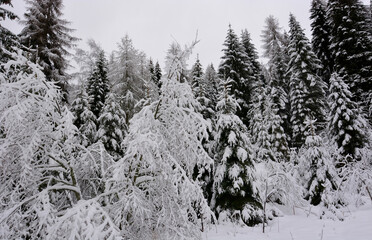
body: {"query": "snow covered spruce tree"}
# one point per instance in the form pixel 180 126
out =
pixel 84 120
pixel 306 88
pixel 112 126
pixel 275 51
pixel 266 129
pixel 47 36
pixel 351 46
pixel 321 38
pixel 98 85
pixel 199 87
pixel 235 194
pixel 235 66
pixel 158 74
pixel 317 169
pixel 252 59
pixel 211 82
pixel 154 75
pixel 258 126
pixel 346 126
pixel 154 192
pixel 196 77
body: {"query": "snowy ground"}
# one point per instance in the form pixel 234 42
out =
pixel 357 226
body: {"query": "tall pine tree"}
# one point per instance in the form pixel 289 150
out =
pixel 351 46
pixel 306 88
pixel 47 34
pixel 275 50
pixel 235 67
pixel 98 86
pixel 234 177
pixel 252 59
pixel 196 79
pixel 211 82
pixel 321 38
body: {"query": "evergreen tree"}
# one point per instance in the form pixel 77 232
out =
pixel 153 76
pixel 78 106
pixel 234 176
pixel 259 128
pixel 306 88
pixel 275 50
pixel 252 59
pixel 235 67
pixel 112 126
pixel 345 124
pixel 266 130
pixel 98 86
pixel 351 46
pixel 321 38
pixel 47 34
pixel 85 120
pixel 211 83
pixel 196 79
pixel 316 167
pixel 158 74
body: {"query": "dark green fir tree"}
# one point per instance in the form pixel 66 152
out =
pixel 98 86
pixel 47 34
pixel 306 87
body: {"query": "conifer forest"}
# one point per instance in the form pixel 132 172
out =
pixel 128 147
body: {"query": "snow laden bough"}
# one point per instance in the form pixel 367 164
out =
pixel 46 191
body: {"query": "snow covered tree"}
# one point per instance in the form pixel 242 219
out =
pixel 235 193
pixel 211 82
pixel 112 126
pixel 49 39
pixel 45 174
pixel 321 38
pixel 125 70
pixel 275 51
pixel 316 168
pixel 84 119
pixel 155 195
pixel 235 66
pixel 306 88
pixel 259 128
pixel 98 85
pixel 158 74
pixel 351 46
pixel 276 184
pixel 346 125
pixel 355 186
pixel 267 133
pixel 252 59
pixel 196 77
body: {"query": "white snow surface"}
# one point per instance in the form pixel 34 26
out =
pixel 301 226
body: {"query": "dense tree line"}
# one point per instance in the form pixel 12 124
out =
pixel 136 151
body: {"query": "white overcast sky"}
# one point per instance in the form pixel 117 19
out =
pixel 154 24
